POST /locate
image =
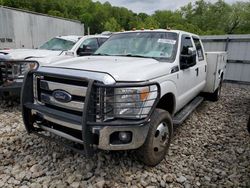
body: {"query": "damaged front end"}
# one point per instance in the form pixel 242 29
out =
pixel 12 74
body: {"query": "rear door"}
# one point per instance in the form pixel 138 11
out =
pixel 201 63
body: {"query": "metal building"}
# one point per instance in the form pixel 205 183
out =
pixel 25 29
pixel 238 48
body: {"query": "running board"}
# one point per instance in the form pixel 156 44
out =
pixel 180 117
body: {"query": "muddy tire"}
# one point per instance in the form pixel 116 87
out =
pixel 217 94
pixel 157 143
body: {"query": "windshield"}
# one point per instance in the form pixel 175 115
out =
pixel 58 44
pixel 158 45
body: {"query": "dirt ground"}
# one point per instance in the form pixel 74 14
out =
pixel 210 149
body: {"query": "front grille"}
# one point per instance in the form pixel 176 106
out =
pixel 11 70
pixel 46 86
pixel 6 70
pixel 99 105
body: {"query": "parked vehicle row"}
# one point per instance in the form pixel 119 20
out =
pixel 127 95
pixel 12 66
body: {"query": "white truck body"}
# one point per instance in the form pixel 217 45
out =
pixel 135 86
pixel 216 65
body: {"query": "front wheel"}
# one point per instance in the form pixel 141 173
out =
pixel 157 143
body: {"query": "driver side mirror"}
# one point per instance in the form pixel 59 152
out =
pixel 84 51
pixel 188 60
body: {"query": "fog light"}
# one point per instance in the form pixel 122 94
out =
pixel 125 136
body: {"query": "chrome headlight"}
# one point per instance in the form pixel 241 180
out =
pixel 130 103
pixel 26 66
pixel 19 69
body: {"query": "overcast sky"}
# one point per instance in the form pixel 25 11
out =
pixel 149 6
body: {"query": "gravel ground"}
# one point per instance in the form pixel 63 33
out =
pixel 211 149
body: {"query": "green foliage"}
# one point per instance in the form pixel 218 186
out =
pixel 218 18
pixel 151 22
pixel 112 25
pixel 55 13
pixel 168 18
pixel 201 17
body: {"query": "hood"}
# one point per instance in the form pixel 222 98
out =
pixel 121 68
pixel 50 59
pixel 4 56
pixel 22 54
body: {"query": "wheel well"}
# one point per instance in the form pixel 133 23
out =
pixel 167 102
pixel 222 75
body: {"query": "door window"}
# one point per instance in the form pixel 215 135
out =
pixel 198 49
pixel 101 40
pixel 186 42
pixel 90 44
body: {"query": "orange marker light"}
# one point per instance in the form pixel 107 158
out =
pixel 144 94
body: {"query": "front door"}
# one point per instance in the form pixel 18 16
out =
pixel 187 76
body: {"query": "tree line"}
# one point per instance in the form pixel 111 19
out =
pixel 201 17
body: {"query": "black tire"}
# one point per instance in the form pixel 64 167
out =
pixel 148 153
pixel 217 94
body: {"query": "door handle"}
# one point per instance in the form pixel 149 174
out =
pixel 197 71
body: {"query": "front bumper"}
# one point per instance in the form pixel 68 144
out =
pixel 14 88
pixel 91 134
pixel 139 135
pixel 47 116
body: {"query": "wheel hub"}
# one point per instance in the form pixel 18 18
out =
pixel 161 137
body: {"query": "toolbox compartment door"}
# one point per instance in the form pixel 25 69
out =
pixel 216 66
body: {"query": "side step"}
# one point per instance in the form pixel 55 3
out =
pixel 180 117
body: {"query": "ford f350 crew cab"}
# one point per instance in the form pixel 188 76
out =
pixel 12 68
pixel 127 95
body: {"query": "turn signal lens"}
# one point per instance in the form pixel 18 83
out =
pixel 33 65
pixel 144 94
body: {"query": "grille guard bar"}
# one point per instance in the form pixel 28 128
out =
pixel 130 121
pixel 87 136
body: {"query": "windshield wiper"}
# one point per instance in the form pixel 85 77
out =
pixel 140 56
pixel 101 54
pixel 126 55
pixel 55 49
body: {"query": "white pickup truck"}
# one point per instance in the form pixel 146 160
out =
pixel 127 95
pixel 12 68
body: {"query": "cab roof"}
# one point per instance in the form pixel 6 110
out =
pixel 159 30
pixel 73 38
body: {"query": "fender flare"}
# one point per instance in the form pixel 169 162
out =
pixel 169 87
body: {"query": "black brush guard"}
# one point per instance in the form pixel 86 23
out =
pixel 7 78
pixel 88 118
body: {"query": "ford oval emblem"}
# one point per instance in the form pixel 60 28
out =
pixel 62 96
